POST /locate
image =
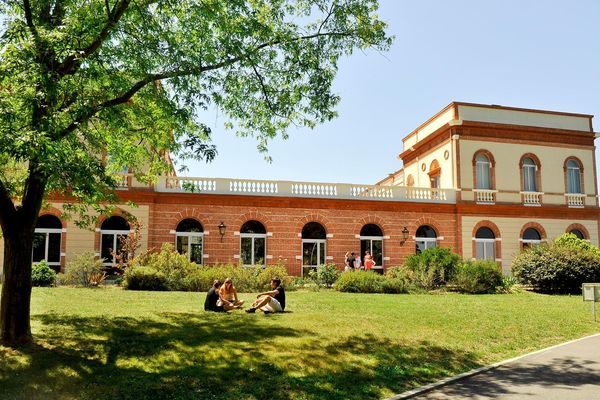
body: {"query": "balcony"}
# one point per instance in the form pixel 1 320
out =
pixel 532 198
pixel 346 191
pixel 575 200
pixel 485 196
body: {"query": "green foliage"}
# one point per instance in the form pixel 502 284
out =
pixel 360 282
pixel 480 276
pixel 559 267
pixel 42 274
pixel 82 270
pixel 433 267
pixel 324 275
pixel 145 278
pixel 178 273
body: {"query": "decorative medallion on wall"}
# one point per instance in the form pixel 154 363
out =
pixel 446 154
pixel 423 167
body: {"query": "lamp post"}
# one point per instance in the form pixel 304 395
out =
pixel 222 228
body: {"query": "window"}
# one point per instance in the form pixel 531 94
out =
pixel 313 246
pixel 410 181
pixel 426 238
pixel 483 168
pixel 112 232
pixel 573 177
pixel 531 237
pixel 371 239
pixel 253 243
pixel 46 241
pixel 577 233
pixel 435 173
pixel 189 237
pixel 485 244
pixel 529 180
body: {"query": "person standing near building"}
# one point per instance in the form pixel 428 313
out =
pixel 357 263
pixel 369 263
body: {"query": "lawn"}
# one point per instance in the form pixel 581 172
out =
pixel 115 344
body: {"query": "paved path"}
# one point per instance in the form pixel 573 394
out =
pixel 565 372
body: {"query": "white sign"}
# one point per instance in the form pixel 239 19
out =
pixel 591 292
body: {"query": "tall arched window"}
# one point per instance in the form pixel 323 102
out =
pixel 425 238
pixel 371 239
pixel 435 174
pixel 112 231
pixel 189 237
pixel 485 244
pixel 529 179
pixel 313 246
pixel 577 233
pixel 531 237
pixel 573 177
pixel 483 176
pixel 46 241
pixel 253 243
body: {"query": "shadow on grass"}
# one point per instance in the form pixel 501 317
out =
pixel 191 356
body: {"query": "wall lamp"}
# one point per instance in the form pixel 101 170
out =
pixel 222 228
pixel 404 236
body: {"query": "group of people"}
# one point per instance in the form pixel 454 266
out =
pixel 353 262
pixel 223 297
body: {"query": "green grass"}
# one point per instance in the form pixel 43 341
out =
pixel 116 344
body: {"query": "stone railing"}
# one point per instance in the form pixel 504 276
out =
pixel 532 198
pixel 177 184
pixel 575 200
pixel 485 196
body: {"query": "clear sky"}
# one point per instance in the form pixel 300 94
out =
pixel 526 53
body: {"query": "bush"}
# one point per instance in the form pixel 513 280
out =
pixel 174 266
pixel 400 280
pixel 145 278
pixel 324 275
pixel 42 274
pixel 360 282
pixel 560 267
pixel 433 267
pixel 481 276
pixel 83 270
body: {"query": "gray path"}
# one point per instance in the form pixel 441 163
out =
pixel 567 372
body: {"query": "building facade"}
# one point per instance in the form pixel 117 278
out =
pixel 484 180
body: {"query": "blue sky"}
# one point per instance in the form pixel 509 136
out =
pixel 532 54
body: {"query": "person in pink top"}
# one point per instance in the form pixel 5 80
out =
pixel 369 263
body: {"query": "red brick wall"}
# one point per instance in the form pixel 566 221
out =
pixel 285 217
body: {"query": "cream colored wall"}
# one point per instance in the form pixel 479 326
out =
pixel 526 118
pixel 428 129
pixel 507 157
pixel 422 178
pixel 510 229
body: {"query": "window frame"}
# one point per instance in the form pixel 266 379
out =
pixel 47 232
pixel 253 237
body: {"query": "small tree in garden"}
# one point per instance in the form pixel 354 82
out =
pixel 130 244
pixel 433 267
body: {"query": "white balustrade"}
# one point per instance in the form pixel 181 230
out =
pixel 372 191
pixel 253 187
pixel 532 198
pixel 485 196
pixel 192 185
pixel 314 189
pixel 575 200
pixel 123 180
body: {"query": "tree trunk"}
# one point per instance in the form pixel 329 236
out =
pixel 15 328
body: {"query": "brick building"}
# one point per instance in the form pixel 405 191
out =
pixel 483 180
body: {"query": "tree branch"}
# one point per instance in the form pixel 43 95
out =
pixel 7 209
pixel 29 18
pixel 72 63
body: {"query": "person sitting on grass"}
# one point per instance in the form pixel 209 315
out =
pixel 271 301
pixel 212 297
pixel 228 297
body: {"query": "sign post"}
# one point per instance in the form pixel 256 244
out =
pixel 591 292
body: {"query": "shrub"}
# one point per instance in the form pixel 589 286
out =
pixel 324 275
pixel 174 266
pixel 42 274
pixel 433 267
pixel 145 278
pixel 399 280
pixel 360 282
pixel 82 270
pixel 481 276
pixel 560 267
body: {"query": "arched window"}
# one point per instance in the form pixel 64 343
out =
pixel 313 246
pixel 577 233
pixel 531 237
pixel 426 238
pixel 112 232
pixel 435 174
pixel 189 239
pixel 371 240
pixel 253 243
pixel 46 241
pixel 485 244
pixel 573 177
pixel 483 168
pixel 410 181
pixel 529 179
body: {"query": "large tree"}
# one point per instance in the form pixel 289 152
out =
pixel 90 86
